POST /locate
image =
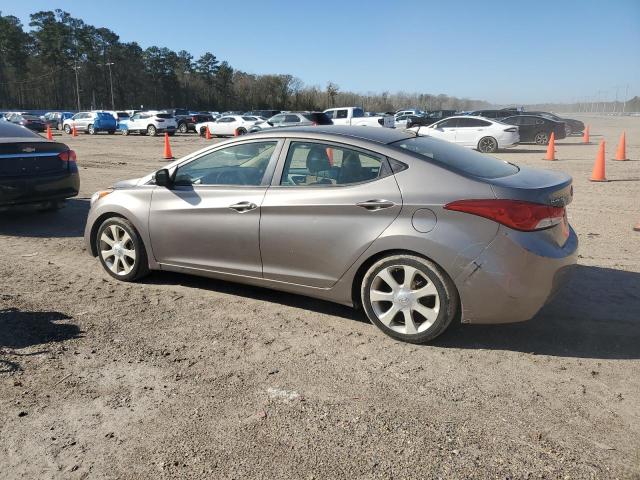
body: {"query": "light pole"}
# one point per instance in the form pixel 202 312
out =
pixel 108 64
pixel 76 67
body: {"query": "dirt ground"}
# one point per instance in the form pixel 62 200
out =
pixel 181 377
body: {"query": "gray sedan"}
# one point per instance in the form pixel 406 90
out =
pixel 416 231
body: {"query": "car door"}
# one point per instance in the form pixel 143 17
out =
pixel 328 202
pixel 470 130
pixel 209 219
pixel 224 126
pixel 445 129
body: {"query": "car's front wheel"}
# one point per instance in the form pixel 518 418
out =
pixel 151 131
pixel 408 298
pixel 67 129
pixel 120 250
pixel 183 128
pixel 541 138
pixel 125 131
pixel 487 145
pixel 91 129
pixel 241 131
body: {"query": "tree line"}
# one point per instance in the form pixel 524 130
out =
pixel 61 62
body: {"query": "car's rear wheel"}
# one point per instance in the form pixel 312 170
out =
pixel 67 129
pixel 151 131
pixel 58 126
pixel 183 128
pixel 408 298
pixel 541 138
pixel 567 130
pixel 125 131
pixel 487 145
pixel 111 132
pixel 203 131
pixel 241 131
pixel 91 129
pixel 120 250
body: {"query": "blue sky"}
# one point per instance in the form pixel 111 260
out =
pixel 501 51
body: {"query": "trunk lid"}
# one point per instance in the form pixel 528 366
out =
pixel 31 158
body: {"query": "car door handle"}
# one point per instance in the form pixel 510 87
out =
pixel 243 207
pixel 376 204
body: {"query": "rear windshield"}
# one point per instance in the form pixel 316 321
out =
pixel 250 119
pixel 164 115
pixel 8 129
pixel 123 115
pixel 30 117
pixel 103 115
pixel 458 158
pixel 318 117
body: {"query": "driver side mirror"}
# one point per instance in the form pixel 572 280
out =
pixel 163 178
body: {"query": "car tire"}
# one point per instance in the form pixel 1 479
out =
pixel 541 138
pixel 121 250
pixel 152 131
pixel 91 129
pixel 171 134
pixel 58 126
pixel 202 132
pixel 430 313
pixel 183 128
pixel 111 132
pixel 241 131
pixel 67 129
pixel 488 145
pixel 125 131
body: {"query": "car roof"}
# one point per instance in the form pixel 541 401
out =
pixel 373 134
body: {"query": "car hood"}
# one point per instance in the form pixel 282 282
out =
pixel 127 183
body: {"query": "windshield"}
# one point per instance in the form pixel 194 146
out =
pixel 457 158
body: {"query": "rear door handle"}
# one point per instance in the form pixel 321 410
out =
pixel 376 204
pixel 243 207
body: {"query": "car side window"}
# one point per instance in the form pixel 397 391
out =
pixel 243 164
pixel 277 119
pixel 291 119
pixel 310 164
pixel 342 113
pixel 451 123
pixel 330 114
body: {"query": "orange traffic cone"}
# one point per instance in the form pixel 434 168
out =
pixel 621 153
pixel 597 175
pixel 236 133
pixel 167 148
pixel 49 134
pixel 74 132
pixel 585 135
pixel 551 149
pixel 330 155
pixel 207 133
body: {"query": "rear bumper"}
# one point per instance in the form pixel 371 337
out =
pixel 35 189
pixel 509 282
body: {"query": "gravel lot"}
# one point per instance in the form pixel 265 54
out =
pixel 181 377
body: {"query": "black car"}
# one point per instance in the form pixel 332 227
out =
pixel 537 129
pixel 416 120
pixel 30 121
pixel 35 170
pixel 572 126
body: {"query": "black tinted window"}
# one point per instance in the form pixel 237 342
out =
pixel 318 117
pixel 8 129
pixel 291 119
pixel 451 123
pixel 472 122
pixel 342 113
pixel 457 158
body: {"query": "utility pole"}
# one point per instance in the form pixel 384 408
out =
pixel 76 67
pixel 108 64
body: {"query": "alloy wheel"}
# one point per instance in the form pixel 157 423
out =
pixel 117 250
pixel 487 145
pixel 541 138
pixel 404 299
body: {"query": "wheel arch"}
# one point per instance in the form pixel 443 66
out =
pixel 96 225
pixel 366 264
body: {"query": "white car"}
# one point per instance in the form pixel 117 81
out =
pixel 401 113
pixel 149 123
pixel 480 133
pixel 228 125
pixel 355 116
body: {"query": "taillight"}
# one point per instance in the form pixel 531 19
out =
pixel 516 214
pixel 512 129
pixel 314 124
pixel 68 156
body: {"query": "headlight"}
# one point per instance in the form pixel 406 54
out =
pixel 98 195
